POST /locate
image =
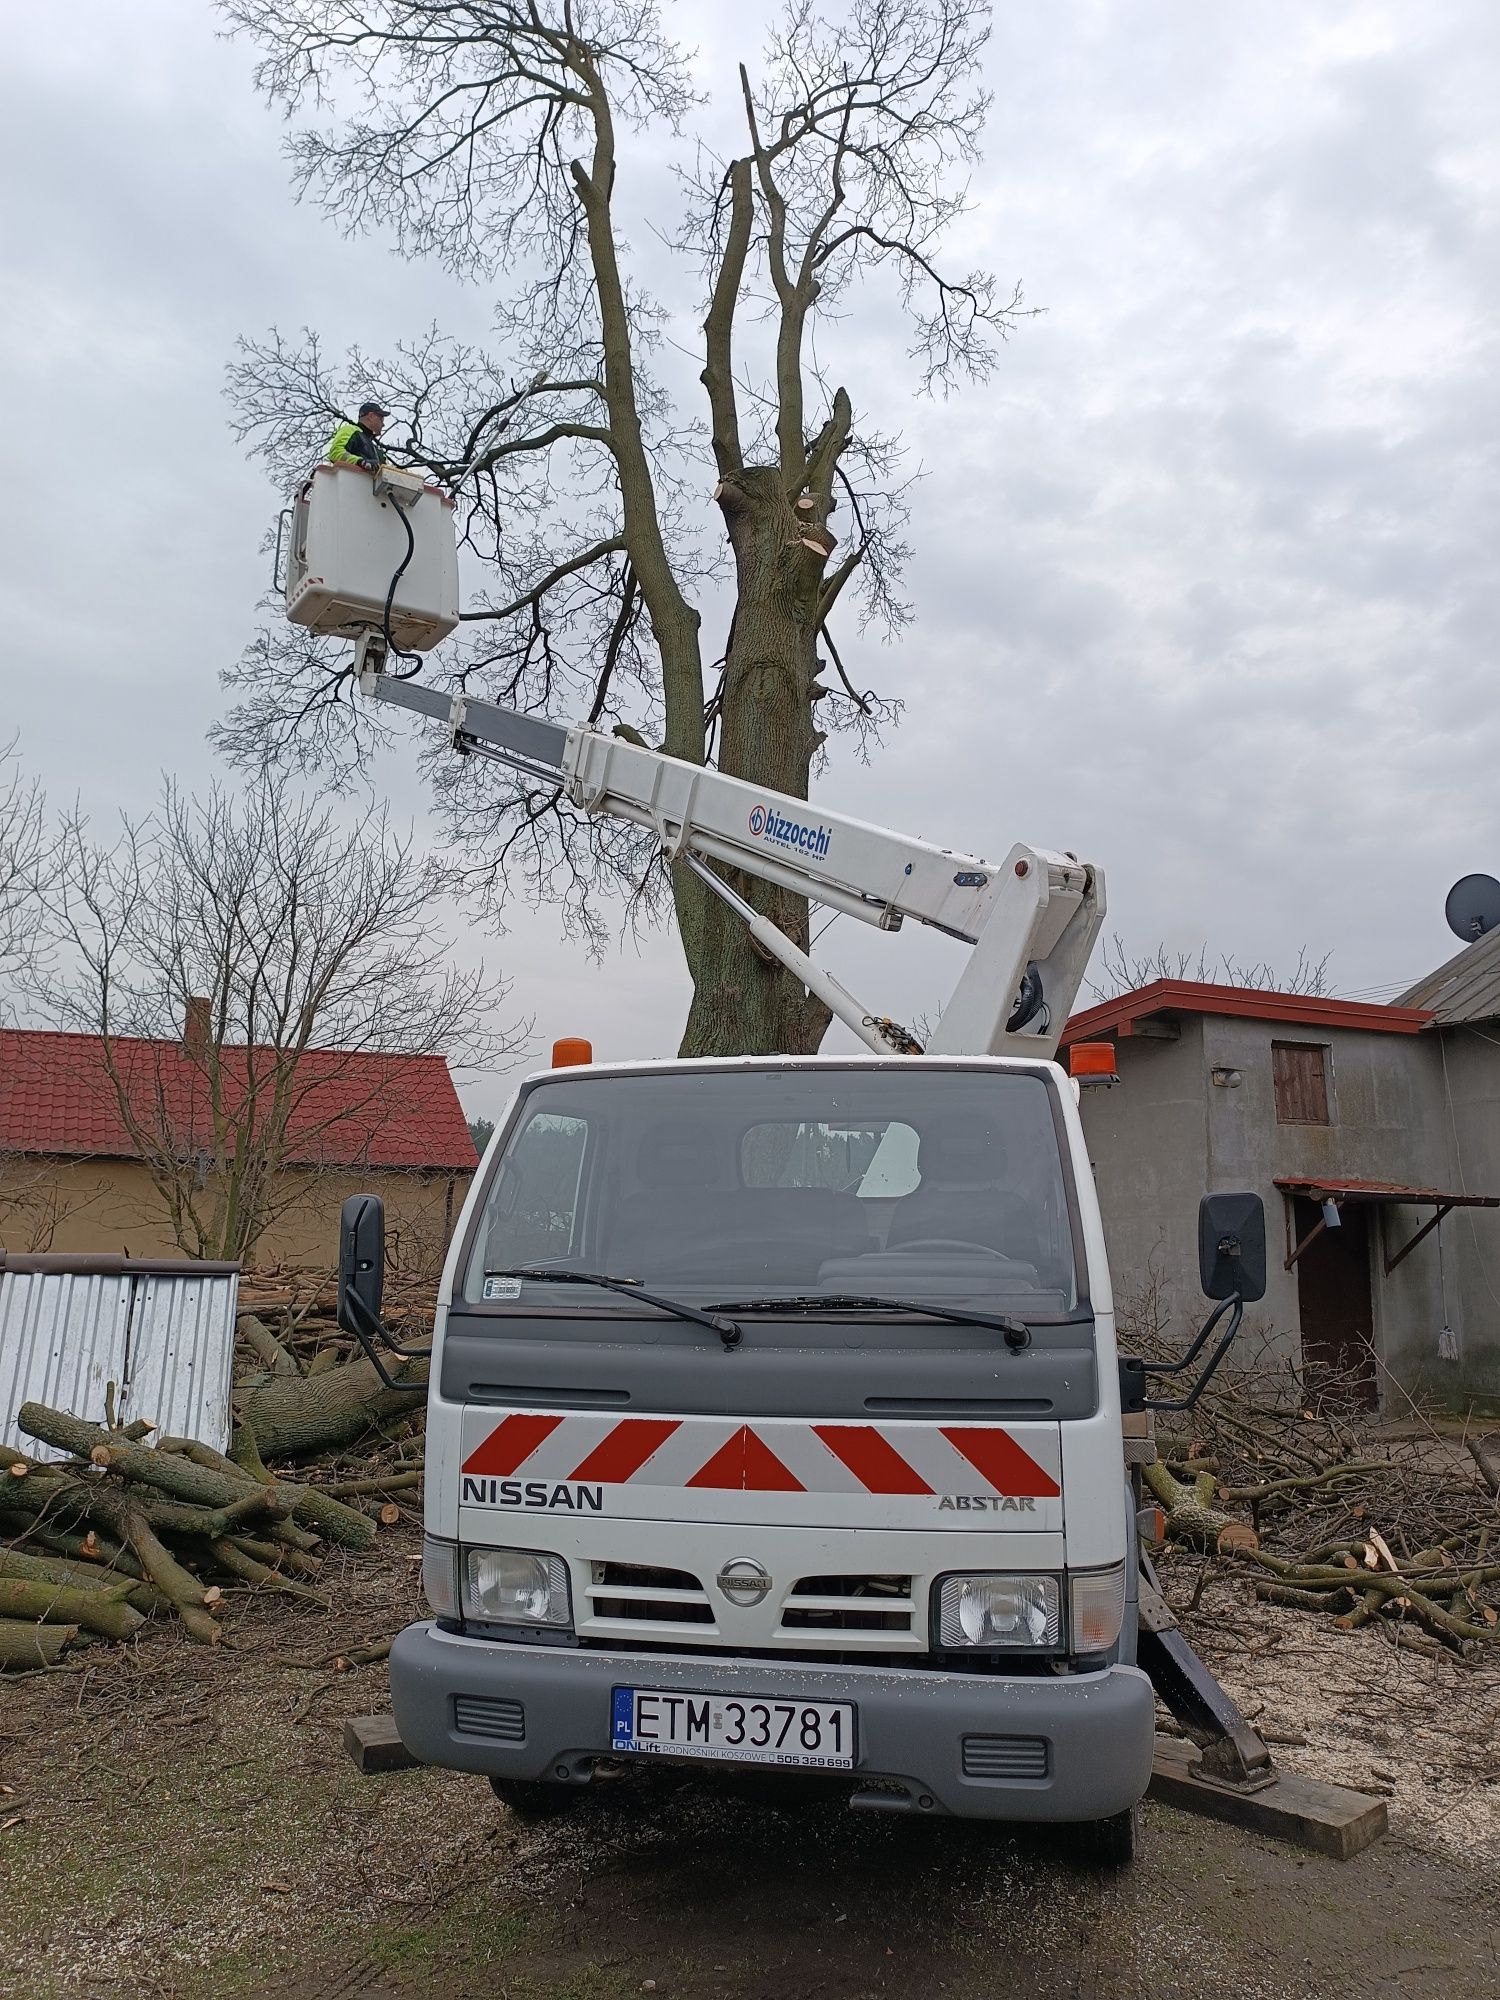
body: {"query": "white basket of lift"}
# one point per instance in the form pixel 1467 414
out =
pixel 347 542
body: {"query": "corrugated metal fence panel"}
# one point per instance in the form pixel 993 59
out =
pixel 182 1355
pixel 62 1341
pixel 165 1338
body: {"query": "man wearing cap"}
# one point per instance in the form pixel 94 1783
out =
pixel 357 443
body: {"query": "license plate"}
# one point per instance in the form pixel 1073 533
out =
pixel 740 1728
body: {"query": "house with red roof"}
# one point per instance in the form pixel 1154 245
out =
pixel 1372 1134
pixel 173 1147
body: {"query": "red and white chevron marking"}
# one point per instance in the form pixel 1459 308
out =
pixel 769 1456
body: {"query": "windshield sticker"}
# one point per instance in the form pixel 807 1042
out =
pixel 502 1288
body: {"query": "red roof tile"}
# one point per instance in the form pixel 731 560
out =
pixel 1254 1003
pixel 354 1110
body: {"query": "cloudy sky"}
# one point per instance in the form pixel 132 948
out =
pixel 1205 579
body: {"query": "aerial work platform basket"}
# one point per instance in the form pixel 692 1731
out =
pixel 349 541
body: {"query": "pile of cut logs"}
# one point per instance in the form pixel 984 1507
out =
pixel 1394 1527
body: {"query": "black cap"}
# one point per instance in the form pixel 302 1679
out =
pixel 367 409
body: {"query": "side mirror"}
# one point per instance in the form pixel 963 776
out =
pixel 361 1263
pixel 1232 1246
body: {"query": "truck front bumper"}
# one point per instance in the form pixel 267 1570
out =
pixel 1044 1747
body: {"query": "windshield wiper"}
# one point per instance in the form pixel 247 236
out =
pixel 629 1288
pixel 1017 1332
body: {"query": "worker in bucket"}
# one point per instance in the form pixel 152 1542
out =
pixel 359 443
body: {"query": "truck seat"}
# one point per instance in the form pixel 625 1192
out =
pixel 676 1166
pixel 960 1196
pixel 829 1223
pixel 684 1209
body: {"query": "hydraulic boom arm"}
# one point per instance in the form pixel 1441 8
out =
pixel 1031 919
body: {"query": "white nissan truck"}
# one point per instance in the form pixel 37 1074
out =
pixel 827 1476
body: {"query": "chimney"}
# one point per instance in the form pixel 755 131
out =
pixel 196 1026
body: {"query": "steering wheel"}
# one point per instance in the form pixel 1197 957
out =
pixel 949 1243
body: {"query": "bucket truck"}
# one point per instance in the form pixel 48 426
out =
pixel 775 1416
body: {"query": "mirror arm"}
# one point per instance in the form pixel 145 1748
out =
pixel 1186 1360
pixel 367 1328
pixel 1133 1370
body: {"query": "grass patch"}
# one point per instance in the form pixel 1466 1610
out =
pixel 472 1938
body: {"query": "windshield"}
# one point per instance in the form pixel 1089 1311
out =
pixel 906 1183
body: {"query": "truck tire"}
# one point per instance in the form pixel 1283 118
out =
pixel 1110 1843
pixel 531 1800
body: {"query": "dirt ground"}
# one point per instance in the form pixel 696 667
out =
pixel 181 1822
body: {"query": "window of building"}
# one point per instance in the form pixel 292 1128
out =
pixel 1299 1071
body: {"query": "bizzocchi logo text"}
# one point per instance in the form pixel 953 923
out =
pixel 769 825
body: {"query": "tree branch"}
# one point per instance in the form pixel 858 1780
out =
pixel 543 441
pixel 834 581
pixel 585 559
pixel 718 329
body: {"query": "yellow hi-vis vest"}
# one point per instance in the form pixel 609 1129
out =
pixel 340 454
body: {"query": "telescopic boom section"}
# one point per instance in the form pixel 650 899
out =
pixel 1031 919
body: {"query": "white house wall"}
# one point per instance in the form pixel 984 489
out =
pixel 1168 1134
pixel 1148 1141
pixel 1469 1089
pixel 1385 1125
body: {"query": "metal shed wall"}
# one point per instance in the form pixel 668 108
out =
pixel 163 1333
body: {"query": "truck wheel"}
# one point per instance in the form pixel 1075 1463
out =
pixel 530 1799
pixel 1108 1843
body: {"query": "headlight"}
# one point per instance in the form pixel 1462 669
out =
pixel 440 1577
pixel 515 1587
pixel 999 1611
pixel 1097 1605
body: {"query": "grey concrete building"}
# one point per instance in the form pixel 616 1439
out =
pixel 1372 1134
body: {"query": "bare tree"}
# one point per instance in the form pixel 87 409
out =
pixel 245 962
pixel 25 864
pixel 31 1204
pixel 491 134
pixel 1122 971
pixel 35 1203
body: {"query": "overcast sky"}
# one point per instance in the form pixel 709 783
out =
pixel 1205 579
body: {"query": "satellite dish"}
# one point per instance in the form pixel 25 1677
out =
pixel 1473 906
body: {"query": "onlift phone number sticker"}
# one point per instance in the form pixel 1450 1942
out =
pixel 741 1729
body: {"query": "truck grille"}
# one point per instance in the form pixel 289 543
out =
pixel 1006 1757
pixel 488 1715
pixel 648 1603
pixel 849 1604
pixel 632 1594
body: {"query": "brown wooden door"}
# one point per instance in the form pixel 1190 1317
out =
pixel 1334 1298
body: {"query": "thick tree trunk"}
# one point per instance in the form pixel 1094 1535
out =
pixel 23 1644
pixel 77 1576
pixel 103 1611
pixel 293 1418
pixel 744 1002
pixel 1192 1517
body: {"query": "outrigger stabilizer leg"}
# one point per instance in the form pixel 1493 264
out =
pixel 1233 1752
